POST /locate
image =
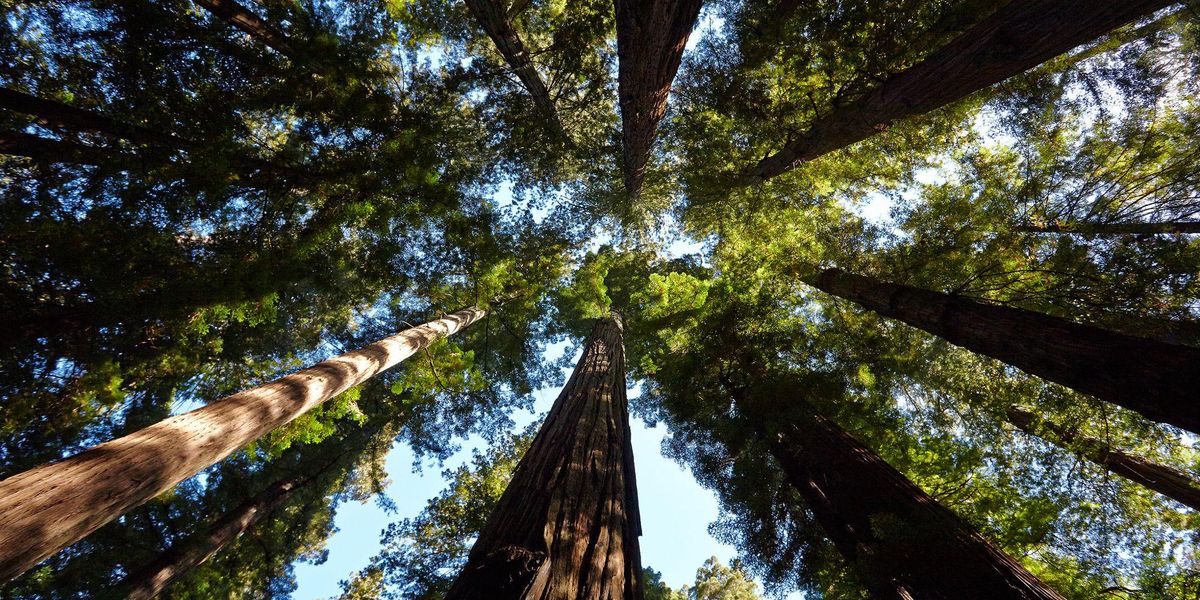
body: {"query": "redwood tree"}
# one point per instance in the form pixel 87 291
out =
pixel 651 36
pixel 244 19
pixel 1017 37
pixel 47 508
pixel 567 526
pixel 1152 377
pixel 492 16
pixel 900 542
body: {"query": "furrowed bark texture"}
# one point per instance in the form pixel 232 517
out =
pixel 152 579
pixel 1167 227
pixel 1017 37
pixel 1154 378
pixel 899 540
pixel 492 16
pixel 567 526
pixel 651 35
pixel 47 508
pixel 241 17
pixel 1170 482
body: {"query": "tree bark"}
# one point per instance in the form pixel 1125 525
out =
pixel 1170 482
pixel 902 544
pixel 1083 228
pixel 49 507
pixel 58 115
pixel 241 17
pixel 492 16
pixel 1017 37
pixel 567 526
pixel 16 143
pixel 1151 377
pixel 651 35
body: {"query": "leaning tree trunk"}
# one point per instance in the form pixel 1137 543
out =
pixel 251 24
pixel 1148 376
pixel 58 115
pixel 49 507
pixel 651 35
pixel 1082 228
pixel 40 149
pixel 493 17
pixel 902 544
pixel 1018 36
pixel 1170 482
pixel 567 526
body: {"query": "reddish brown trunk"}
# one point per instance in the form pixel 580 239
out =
pixel 651 35
pixel 1154 378
pixel 567 527
pixel 492 16
pixel 899 540
pixel 239 16
pixel 45 509
pixel 151 580
pixel 1172 483
pixel 1017 37
pixel 1164 227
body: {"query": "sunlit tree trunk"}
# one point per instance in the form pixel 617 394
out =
pixel 567 526
pixel 1017 37
pixel 244 19
pixel 1154 378
pixel 651 35
pixel 901 543
pixel 47 508
pixel 1164 227
pixel 1172 483
pixel 492 16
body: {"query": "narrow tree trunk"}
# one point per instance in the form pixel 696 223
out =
pixel 241 17
pixel 1164 227
pixel 567 527
pixel 1172 483
pixel 899 540
pixel 16 143
pixel 58 115
pixel 1157 379
pixel 493 18
pixel 47 508
pixel 190 553
pixel 651 35
pixel 1018 36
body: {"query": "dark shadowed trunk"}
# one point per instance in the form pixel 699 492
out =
pixel 492 16
pixel 1017 37
pixel 1157 379
pixel 902 544
pixel 241 17
pixel 15 143
pixel 567 526
pixel 651 35
pixel 1170 482
pixel 1165 227
pixel 47 508
pixel 58 115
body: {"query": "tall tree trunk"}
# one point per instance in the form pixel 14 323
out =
pixel 1170 482
pixel 1018 36
pixel 49 507
pixel 241 17
pixel 492 16
pixel 898 539
pixel 1157 379
pixel 651 35
pixel 58 115
pixel 1162 227
pixel 567 527
pixel 16 143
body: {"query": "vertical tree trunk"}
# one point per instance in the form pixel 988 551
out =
pixel 902 544
pixel 1018 36
pixel 1172 483
pixel 1154 378
pixel 1083 228
pixel 567 527
pixel 651 35
pixel 241 17
pixel 47 508
pixel 182 557
pixel 493 17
